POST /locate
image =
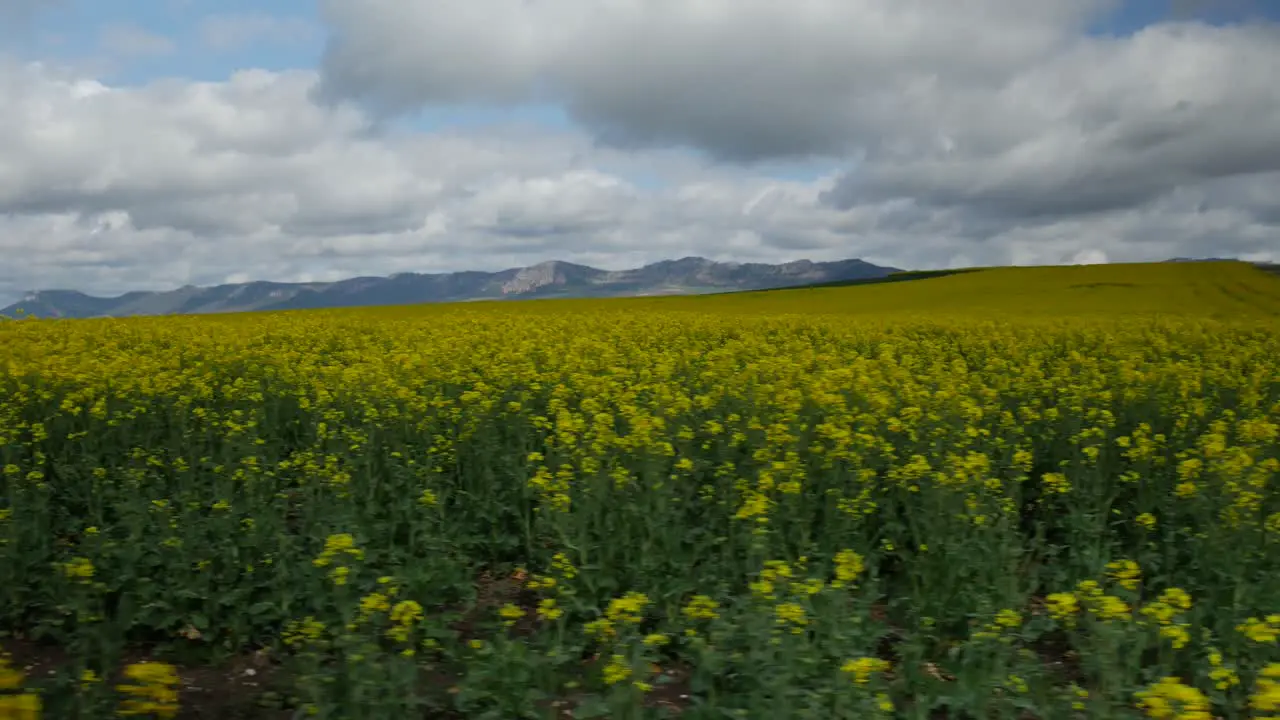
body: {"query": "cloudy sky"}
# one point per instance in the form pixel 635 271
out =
pixel 154 143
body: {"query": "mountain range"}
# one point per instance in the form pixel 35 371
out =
pixel 554 279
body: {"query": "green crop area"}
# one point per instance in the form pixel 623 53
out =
pixel 1023 493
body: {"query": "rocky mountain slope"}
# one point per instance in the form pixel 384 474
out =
pixel 691 275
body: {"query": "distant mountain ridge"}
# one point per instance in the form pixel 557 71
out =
pixel 690 275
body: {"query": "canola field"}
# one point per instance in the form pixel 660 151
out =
pixel 1041 493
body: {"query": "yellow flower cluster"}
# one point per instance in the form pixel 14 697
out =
pixel 791 616
pixel 616 670
pixel 1263 631
pixel 548 609
pixel 701 607
pixel 1101 605
pixel 79 569
pixel 1224 678
pixel 563 567
pixel 776 572
pixel 615 631
pixel 405 616
pixel 510 613
pixel 626 611
pixel 1265 700
pixel 15 703
pixel 862 669
pixel 849 565
pixel 1063 607
pixel 1000 628
pixel 151 690
pixel 373 603
pixel 378 607
pixel 1125 573
pixel 1170 699
pixel 335 547
pixel 1165 609
pixel 303 632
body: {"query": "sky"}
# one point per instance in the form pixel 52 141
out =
pixel 150 144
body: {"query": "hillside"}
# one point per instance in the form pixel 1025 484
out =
pixel 690 275
pixel 1218 290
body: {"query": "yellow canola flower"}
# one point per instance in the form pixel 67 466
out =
pixel 862 669
pixel 791 616
pixel 79 569
pixel 1055 483
pixel 405 616
pixel 1224 678
pixel 374 603
pixel 1263 631
pixel 16 704
pixel 849 566
pixel 1265 699
pixel 1125 573
pixel 1063 607
pixel 616 670
pixel 510 613
pixel 1000 627
pixel 336 546
pixel 628 609
pixel 23 706
pixel 548 610
pixel 701 607
pixel 1009 618
pixel 150 690
pixel 1170 699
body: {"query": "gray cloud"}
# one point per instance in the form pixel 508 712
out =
pixel 742 80
pixel 1114 123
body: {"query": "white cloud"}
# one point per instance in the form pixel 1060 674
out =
pixel 107 188
pixel 1090 256
pixel 960 142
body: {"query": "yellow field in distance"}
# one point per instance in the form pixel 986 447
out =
pixel 1217 290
